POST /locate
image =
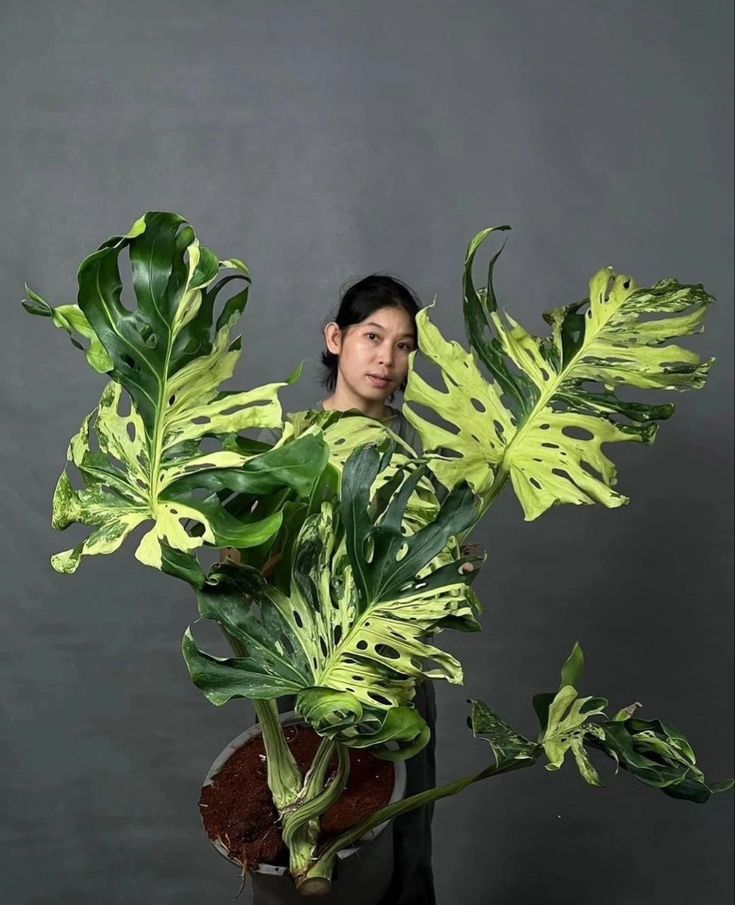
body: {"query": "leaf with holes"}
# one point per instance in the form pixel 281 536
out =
pixel 355 622
pixel 142 460
pixel 653 752
pixel 551 404
pixel 344 432
pixel 650 750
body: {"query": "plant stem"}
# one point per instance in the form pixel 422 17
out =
pixel 300 828
pixel 486 502
pixel 324 865
pixel 284 776
pixel 314 779
pixel 501 477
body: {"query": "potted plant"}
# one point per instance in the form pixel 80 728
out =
pixel 348 562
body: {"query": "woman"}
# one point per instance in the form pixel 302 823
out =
pixel 365 363
pixel 367 350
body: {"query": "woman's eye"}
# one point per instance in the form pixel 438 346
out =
pixel 371 335
pixel 406 347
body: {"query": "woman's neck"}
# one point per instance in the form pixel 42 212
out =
pixel 342 401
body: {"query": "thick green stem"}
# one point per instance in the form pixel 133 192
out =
pixel 324 865
pixel 300 827
pixel 315 777
pixel 284 776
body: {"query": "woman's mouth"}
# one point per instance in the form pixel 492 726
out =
pixel 378 381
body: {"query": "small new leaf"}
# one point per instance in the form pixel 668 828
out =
pixel 507 744
pixel 653 752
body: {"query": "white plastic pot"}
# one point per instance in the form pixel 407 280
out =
pixel 362 872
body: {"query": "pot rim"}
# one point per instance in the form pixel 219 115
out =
pixel 289 718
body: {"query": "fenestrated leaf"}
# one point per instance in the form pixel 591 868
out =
pixel 344 432
pixel 403 732
pixel 551 404
pixel 655 753
pixel 392 734
pixel 224 678
pixel 569 720
pixel 272 662
pixel 571 674
pixel 652 751
pixel 360 609
pixel 142 460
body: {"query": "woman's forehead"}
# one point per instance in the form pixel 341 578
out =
pixel 391 320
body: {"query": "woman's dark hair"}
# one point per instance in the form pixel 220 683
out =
pixel 358 302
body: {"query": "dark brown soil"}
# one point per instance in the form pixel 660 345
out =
pixel 237 807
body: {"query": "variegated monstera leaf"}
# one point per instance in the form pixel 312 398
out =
pixel 653 752
pixel 550 404
pixel 350 638
pixel 139 454
pixel 344 432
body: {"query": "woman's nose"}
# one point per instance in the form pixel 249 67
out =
pixel 385 354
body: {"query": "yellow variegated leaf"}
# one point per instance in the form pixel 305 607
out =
pixel 139 454
pixel 550 404
pixel 358 613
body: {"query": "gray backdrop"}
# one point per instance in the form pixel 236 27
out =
pixel 320 141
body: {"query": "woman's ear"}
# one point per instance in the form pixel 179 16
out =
pixel 333 338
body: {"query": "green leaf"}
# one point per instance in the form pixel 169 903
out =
pixel 272 663
pixel 224 678
pixel 360 608
pixel 569 721
pixel 550 404
pixel 571 671
pixel 142 460
pixel 507 744
pixel 652 751
pixel 298 466
pixel 394 734
pixel 345 432
pixel 71 319
pixel 658 755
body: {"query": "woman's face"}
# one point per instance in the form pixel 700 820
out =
pixel 373 355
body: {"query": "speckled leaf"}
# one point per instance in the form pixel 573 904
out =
pixel 507 744
pixel 652 751
pixel 359 610
pixel 551 404
pixel 344 432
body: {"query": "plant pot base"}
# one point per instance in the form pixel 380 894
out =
pixel 361 877
pixel 242 822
